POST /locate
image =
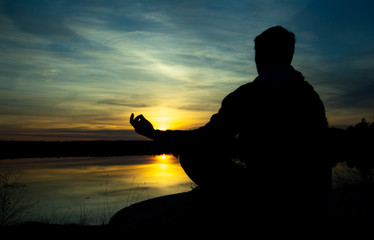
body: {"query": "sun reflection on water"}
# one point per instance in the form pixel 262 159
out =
pixel 62 184
pixel 164 161
pixel 165 170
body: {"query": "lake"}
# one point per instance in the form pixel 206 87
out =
pixel 90 190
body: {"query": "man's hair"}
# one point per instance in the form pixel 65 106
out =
pixel 276 45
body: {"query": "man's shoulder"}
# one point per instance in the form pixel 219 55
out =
pixel 251 86
pixel 244 93
pixel 257 89
pixel 243 89
pixel 250 89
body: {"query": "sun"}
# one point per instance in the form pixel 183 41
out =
pixel 161 123
pixel 162 126
pixel 163 119
pixel 164 159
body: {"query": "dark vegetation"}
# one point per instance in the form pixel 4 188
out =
pixel 33 149
pixel 56 231
pixel 352 146
pixel 12 197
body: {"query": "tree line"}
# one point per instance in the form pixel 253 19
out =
pixel 352 145
pixel 35 149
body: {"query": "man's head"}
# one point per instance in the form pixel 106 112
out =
pixel 274 46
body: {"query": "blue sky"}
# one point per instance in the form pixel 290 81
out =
pixel 78 69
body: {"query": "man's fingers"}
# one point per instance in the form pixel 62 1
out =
pixel 141 125
pixel 139 118
pixel 132 119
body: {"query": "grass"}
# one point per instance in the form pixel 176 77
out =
pixel 50 231
pixel 13 206
pixel 12 197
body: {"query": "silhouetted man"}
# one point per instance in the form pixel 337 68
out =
pixel 265 141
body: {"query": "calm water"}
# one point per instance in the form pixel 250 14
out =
pixel 90 190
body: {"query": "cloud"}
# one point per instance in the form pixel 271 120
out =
pixel 115 102
pixel 346 81
pixel 89 64
pixel 334 51
pixel 359 97
pixel 206 107
pixel 38 18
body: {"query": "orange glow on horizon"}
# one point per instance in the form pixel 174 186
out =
pixel 161 119
pixel 175 119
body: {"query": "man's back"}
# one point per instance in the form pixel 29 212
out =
pixel 280 131
pixel 288 104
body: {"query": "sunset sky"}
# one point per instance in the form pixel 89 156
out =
pixel 77 69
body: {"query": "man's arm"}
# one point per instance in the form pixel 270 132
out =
pixel 221 125
pixel 217 127
pixel 143 127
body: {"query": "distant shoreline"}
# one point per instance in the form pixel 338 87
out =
pixel 353 146
pixel 94 148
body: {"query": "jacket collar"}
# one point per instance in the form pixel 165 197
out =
pixel 280 76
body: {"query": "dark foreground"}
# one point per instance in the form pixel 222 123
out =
pixel 194 215
pixel 35 230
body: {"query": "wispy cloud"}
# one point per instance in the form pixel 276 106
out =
pixel 115 102
pixel 90 64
